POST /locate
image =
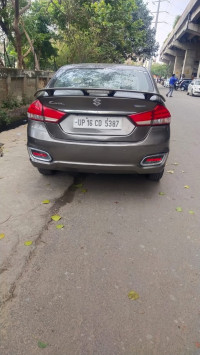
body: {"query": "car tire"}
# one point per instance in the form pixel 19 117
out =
pixel 188 93
pixel 46 171
pixel 155 176
pixel 192 93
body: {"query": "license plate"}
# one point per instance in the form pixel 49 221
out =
pixel 92 122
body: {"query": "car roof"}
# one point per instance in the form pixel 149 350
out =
pixel 103 66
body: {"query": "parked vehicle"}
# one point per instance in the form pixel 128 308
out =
pixel 176 86
pixel 166 83
pixel 194 88
pixel 183 84
pixel 99 118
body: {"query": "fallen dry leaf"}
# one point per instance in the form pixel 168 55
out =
pixel 78 185
pixel 45 202
pixel 2 235
pixel 42 345
pixel 84 190
pixel 191 212
pixel 56 218
pixel 133 295
pixel 186 187
pixel 28 242
pixel 161 193
pixel 179 209
pixel 170 171
pixel 60 226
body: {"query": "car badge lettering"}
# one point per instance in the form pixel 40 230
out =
pixel 96 102
pixel 56 103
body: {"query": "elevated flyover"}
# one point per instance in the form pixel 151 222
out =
pixel 182 47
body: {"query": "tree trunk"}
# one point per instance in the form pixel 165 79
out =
pixel 18 36
pixel 37 65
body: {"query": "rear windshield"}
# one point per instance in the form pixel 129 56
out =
pixel 103 78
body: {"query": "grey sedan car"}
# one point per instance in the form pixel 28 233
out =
pixel 101 118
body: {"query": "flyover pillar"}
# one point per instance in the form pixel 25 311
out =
pixel 188 64
pixel 178 65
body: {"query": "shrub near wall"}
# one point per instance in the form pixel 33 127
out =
pixel 12 115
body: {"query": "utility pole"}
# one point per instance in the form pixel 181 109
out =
pixel 157 15
pixel 156 24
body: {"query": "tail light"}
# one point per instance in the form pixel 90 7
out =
pixel 158 116
pixel 38 112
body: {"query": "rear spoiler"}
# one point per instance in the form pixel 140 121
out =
pixel 87 91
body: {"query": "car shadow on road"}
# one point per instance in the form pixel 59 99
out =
pixel 114 185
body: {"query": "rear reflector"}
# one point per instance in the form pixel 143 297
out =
pixel 39 154
pixel 153 160
pixel 158 116
pixel 38 112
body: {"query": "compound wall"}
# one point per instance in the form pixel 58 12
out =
pixel 21 84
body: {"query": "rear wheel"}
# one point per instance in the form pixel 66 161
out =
pixel 46 171
pixel 155 176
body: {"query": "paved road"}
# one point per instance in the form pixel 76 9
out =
pixel 119 236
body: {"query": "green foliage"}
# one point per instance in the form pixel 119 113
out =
pixel 174 25
pixel 176 21
pixel 103 31
pixel 6 108
pixel 38 25
pixel 160 69
pixel 74 31
pixel 10 103
pixel 4 119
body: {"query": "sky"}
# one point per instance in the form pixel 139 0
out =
pixel 173 8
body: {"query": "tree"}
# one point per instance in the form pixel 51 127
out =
pixel 162 70
pixel 78 30
pixel 18 12
pixel 40 35
pixel 10 14
pixel 104 30
pixel 149 46
pixel 28 29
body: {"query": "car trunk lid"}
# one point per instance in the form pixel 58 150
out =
pixel 98 114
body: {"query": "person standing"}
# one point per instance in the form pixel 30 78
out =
pixel 172 82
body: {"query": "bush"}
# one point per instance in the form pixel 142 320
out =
pixel 4 119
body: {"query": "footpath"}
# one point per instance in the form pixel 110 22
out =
pixel 23 215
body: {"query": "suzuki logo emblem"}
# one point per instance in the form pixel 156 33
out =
pixel 97 102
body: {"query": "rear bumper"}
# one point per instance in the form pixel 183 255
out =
pixel 97 157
